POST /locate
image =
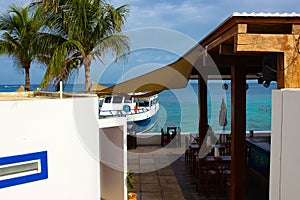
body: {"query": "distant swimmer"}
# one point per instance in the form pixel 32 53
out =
pixel 261 108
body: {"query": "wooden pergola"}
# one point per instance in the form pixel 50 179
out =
pixel 245 46
pixel 241 47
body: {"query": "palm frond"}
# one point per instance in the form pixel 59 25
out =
pixel 78 29
pixel 58 61
pixel 117 44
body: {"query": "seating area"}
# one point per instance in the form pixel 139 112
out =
pixel 172 133
pixel 175 181
pixel 212 171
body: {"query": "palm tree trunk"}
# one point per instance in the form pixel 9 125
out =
pixel 87 61
pixel 87 70
pixel 27 79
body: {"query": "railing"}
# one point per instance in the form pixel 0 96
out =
pixel 122 113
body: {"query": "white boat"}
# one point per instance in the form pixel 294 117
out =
pixel 141 113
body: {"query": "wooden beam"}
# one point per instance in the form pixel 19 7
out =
pixel 237 60
pixel 280 70
pixel 221 60
pixel 264 42
pixel 296 29
pixel 202 105
pixel 268 20
pixel 242 28
pixel 298 65
pixel 232 21
pixel 288 69
pixel 291 69
pixel 238 133
pixel 239 28
pixel 226 49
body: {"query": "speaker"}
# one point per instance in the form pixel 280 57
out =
pixel 269 69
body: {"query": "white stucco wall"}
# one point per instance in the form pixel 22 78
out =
pixel 285 159
pixel 113 153
pixel 68 130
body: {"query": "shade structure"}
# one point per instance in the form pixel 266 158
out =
pixel 96 87
pixel 21 89
pixel 172 76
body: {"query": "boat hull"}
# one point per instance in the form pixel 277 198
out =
pixel 141 113
pixel 144 125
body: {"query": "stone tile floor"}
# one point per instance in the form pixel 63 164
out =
pixel 164 175
pixel 153 175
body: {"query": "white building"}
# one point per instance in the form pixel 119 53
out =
pixel 50 148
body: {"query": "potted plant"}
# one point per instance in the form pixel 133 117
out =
pixel 129 183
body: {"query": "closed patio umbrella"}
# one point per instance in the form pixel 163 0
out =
pixel 223 115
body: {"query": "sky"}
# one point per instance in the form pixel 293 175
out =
pixel 160 31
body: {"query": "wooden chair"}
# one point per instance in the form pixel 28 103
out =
pixel 194 154
pixel 131 140
pixel 211 177
pixel 188 156
pixel 225 173
pixel 228 146
pixel 165 137
pixel 199 176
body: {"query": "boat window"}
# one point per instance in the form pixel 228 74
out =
pixel 117 99
pixel 143 103
pixel 151 103
pixel 127 99
pixel 101 102
pixel 107 100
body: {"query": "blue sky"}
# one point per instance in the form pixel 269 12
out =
pixel 187 21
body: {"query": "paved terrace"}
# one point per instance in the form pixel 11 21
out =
pixel 161 180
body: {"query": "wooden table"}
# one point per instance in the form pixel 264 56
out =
pixel 213 173
pixel 221 159
pixel 194 149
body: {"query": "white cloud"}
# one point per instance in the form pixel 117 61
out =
pixel 195 18
pixel 200 16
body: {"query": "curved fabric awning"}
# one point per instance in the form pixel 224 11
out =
pixel 173 76
pixel 96 87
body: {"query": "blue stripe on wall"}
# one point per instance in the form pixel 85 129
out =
pixel 42 156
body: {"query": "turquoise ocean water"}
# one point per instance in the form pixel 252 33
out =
pixel 179 107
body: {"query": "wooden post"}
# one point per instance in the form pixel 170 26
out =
pixel 202 105
pixel 238 133
pixel 291 69
pixel 280 70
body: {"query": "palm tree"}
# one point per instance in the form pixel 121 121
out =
pixel 19 29
pixel 91 28
pixel 54 41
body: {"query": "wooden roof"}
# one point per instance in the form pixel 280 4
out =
pixel 243 47
pixel 244 39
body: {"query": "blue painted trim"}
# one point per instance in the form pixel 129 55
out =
pixel 42 156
